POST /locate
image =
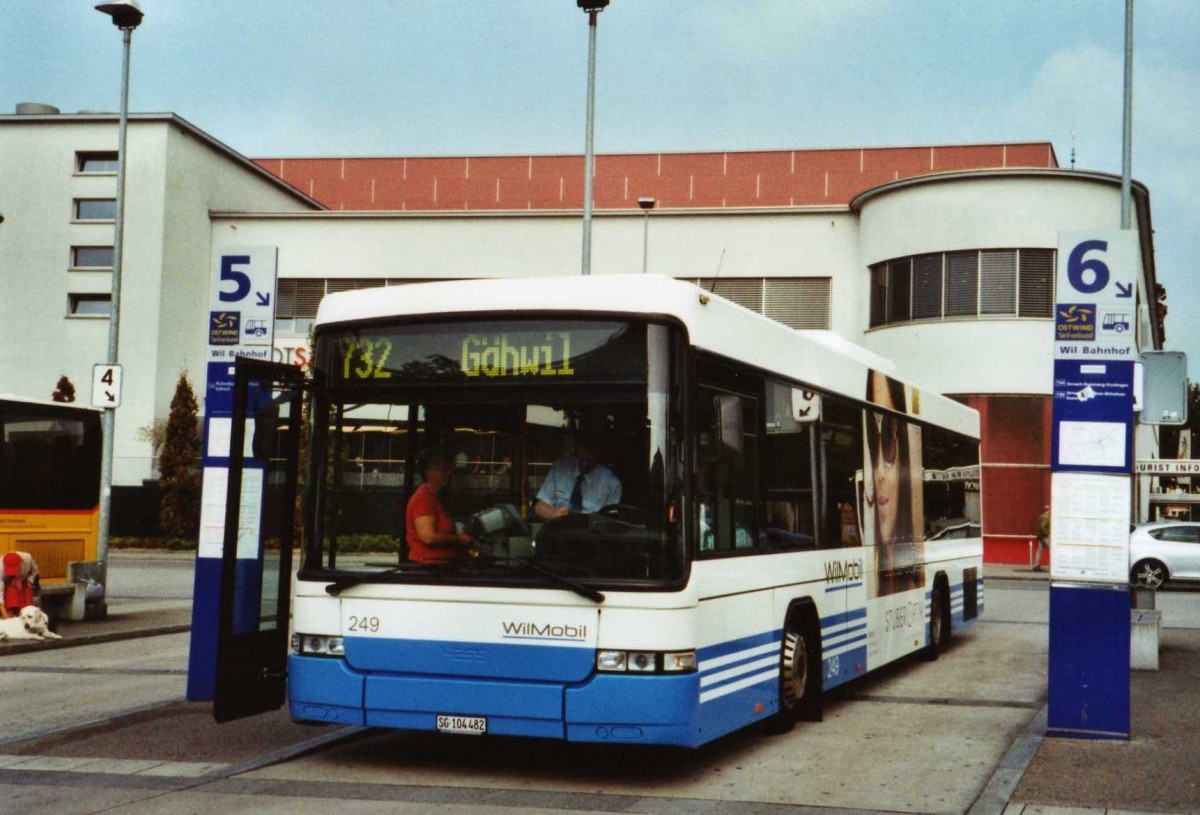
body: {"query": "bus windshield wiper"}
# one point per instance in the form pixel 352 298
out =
pixel 341 584
pixel 581 590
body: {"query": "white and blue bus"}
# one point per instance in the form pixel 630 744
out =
pixel 790 516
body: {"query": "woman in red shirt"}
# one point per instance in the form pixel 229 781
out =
pixel 429 530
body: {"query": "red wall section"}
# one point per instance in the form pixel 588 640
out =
pixel 677 180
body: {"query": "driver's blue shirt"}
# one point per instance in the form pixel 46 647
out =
pixel 600 487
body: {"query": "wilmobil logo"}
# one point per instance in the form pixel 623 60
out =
pixel 843 571
pixel 547 632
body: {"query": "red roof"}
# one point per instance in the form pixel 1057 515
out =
pixel 779 178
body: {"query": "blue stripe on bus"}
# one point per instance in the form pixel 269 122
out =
pixel 843 587
pixel 721 649
pixel 844 617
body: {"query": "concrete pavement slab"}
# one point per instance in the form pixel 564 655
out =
pixel 183 769
pixel 68 800
pixel 115 766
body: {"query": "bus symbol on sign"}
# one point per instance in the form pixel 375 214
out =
pixel 1116 322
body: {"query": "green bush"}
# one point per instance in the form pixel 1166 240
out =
pixel 179 466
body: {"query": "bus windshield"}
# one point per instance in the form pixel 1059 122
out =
pixel 554 445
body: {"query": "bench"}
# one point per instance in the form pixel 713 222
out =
pixel 63 601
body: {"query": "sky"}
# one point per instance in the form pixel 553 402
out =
pixel 448 77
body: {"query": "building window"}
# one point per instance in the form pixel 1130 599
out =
pixel 977 283
pixel 899 280
pixel 95 209
pixel 1037 283
pixel 91 257
pixel 998 282
pixel 797 302
pixel 962 284
pixel 927 287
pixel 90 305
pixel 93 161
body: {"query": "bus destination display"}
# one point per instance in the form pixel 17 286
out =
pixel 492 351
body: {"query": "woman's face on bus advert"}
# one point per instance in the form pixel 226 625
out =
pixel 885 469
pixel 885 461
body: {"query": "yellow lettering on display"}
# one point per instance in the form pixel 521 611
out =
pixel 366 358
pixel 495 356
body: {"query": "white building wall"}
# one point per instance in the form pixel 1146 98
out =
pixel 818 244
pixel 984 355
pixel 173 179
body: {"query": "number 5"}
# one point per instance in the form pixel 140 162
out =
pixel 240 279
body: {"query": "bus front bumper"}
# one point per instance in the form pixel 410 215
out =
pixel 658 709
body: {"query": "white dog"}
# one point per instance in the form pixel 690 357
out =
pixel 31 624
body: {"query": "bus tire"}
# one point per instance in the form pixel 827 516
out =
pixel 939 620
pixel 799 672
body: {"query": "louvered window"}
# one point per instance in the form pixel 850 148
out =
pixel 352 284
pixel 797 302
pixel 998 282
pixel 899 290
pixel 879 294
pixel 298 298
pixel 927 287
pixel 1037 283
pixel 962 284
pixel 801 302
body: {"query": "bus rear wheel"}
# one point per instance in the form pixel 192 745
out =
pixel 799 675
pixel 939 622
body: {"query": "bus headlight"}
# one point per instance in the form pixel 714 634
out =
pixel 318 645
pixel 641 661
pixel 645 662
pixel 610 661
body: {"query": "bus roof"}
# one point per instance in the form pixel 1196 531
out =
pixel 29 400
pixel 822 359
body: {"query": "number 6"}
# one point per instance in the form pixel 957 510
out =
pixel 1077 266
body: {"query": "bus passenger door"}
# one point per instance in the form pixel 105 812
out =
pixel 256 563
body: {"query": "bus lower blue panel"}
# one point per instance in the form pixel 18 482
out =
pixel 613 699
pixel 324 690
pixel 842 667
pixel 737 709
pixel 463 697
pixel 684 735
pixel 497 725
pixel 475 659
pixel 640 709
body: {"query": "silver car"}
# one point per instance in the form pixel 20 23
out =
pixel 1162 551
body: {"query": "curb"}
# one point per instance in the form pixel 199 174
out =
pixel 31 646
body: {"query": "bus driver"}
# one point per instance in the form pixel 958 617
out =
pixel 578 483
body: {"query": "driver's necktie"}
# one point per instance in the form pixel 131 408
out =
pixel 576 502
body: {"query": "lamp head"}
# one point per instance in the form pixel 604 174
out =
pixel 592 5
pixel 647 203
pixel 126 14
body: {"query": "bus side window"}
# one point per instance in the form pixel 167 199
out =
pixel 841 473
pixel 789 455
pixel 725 482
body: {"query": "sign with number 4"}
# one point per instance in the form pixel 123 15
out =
pixel 106 386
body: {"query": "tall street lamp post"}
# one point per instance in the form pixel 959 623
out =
pixel 646 204
pixel 126 15
pixel 593 8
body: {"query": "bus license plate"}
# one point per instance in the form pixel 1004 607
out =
pixel 474 725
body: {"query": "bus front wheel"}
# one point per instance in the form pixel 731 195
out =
pixel 799 674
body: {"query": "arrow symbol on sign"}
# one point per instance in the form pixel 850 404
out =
pixel 1125 290
pixel 110 396
pixel 264 298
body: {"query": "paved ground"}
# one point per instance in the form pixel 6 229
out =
pixel 961 735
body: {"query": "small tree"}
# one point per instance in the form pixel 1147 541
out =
pixel 64 391
pixel 179 466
